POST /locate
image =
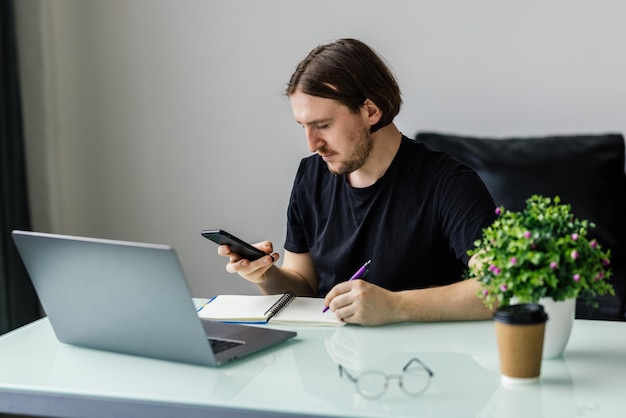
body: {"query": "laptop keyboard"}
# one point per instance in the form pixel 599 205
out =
pixel 222 345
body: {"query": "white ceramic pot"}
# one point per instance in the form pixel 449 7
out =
pixel 559 326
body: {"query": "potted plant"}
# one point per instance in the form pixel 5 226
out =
pixel 537 255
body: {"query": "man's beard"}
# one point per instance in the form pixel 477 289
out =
pixel 358 157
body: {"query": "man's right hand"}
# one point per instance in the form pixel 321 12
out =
pixel 252 271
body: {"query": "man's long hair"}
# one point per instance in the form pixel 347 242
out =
pixel 350 72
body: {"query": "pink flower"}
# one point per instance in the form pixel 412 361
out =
pixel 599 276
pixel 485 292
pixel 498 211
pixel 605 262
pixel 574 255
pixel 593 244
pixel 576 277
pixel 513 261
pixel 503 288
pixel 527 234
pixel 574 237
pixel 553 265
pixel 492 268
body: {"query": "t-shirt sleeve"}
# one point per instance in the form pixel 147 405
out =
pixel 295 240
pixel 465 208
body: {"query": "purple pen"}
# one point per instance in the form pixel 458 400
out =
pixel 359 274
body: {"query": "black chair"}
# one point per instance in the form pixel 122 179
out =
pixel 586 171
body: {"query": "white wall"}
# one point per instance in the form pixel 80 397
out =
pixel 149 120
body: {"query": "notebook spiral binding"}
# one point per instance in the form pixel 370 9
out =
pixel 279 305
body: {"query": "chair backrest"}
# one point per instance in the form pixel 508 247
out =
pixel 586 171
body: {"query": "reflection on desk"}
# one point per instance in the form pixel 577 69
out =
pixel 301 377
pixel 360 348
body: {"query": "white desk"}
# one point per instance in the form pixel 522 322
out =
pixel 40 376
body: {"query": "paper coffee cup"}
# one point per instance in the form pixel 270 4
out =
pixel 519 333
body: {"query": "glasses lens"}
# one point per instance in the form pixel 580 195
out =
pixel 415 380
pixel 372 384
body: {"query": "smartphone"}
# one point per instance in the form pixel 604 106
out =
pixel 236 245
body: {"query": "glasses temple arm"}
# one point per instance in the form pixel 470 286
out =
pixel 415 359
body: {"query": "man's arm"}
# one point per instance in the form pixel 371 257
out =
pixel 364 303
pixel 455 302
pixel 297 273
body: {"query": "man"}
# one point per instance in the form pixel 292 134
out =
pixel 371 193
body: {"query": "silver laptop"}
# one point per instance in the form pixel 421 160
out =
pixel 129 298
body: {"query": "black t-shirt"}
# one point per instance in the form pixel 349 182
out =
pixel 415 223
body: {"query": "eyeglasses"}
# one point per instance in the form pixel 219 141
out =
pixel 372 384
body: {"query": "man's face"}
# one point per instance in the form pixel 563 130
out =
pixel 340 137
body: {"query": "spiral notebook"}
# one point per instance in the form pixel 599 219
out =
pixel 285 309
